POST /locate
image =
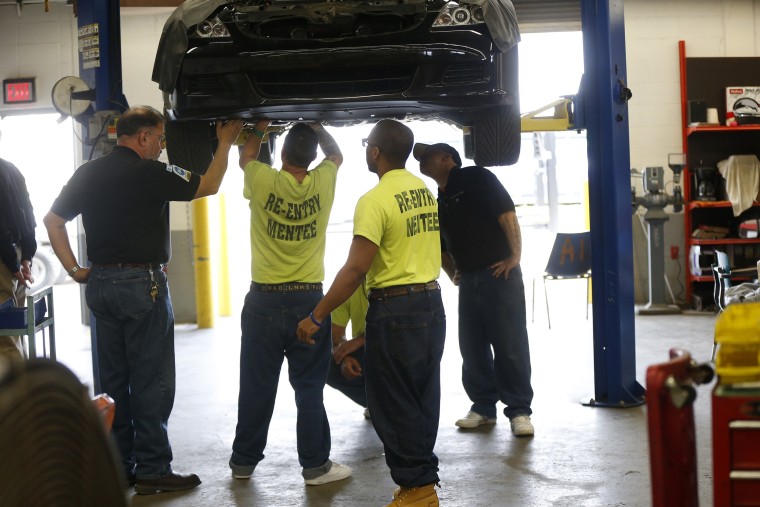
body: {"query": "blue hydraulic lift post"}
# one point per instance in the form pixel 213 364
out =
pixel 105 77
pixel 604 108
pixel 102 74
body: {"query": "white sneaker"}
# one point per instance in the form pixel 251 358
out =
pixel 521 426
pixel 241 472
pixel 473 420
pixel 337 472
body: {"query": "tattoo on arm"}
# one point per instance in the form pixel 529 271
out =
pixel 327 142
pixel 511 228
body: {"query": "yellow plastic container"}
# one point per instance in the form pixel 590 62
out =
pixel 737 333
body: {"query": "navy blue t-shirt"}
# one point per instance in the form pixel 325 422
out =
pixel 469 210
pixel 124 202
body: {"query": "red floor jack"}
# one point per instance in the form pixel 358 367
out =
pixel 672 445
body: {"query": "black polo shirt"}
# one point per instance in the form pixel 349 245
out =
pixel 124 203
pixel 469 209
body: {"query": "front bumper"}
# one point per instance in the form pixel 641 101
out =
pixel 347 83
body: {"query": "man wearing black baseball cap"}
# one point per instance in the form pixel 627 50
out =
pixel 482 245
pixel 421 148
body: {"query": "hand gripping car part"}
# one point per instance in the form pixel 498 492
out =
pixel 343 62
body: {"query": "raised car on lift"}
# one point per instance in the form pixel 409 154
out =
pixel 342 62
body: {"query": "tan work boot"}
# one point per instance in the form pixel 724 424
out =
pixel 423 496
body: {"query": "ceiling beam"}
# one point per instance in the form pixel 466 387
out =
pixel 149 3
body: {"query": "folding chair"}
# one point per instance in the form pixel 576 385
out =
pixel 570 259
pixel 722 277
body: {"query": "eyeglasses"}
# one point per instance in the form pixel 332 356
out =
pixel 365 142
pixel 161 137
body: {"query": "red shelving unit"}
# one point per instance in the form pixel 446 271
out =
pixel 706 79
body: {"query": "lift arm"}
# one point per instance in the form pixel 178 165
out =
pixel 563 117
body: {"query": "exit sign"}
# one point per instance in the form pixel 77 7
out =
pixel 19 91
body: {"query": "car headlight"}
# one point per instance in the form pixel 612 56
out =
pixel 211 28
pixel 458 14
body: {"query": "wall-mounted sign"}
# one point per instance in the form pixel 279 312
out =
pixel 19 91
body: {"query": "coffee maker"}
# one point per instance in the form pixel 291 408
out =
pixel 705 183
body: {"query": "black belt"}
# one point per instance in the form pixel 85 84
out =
pixel 137 265
pixel 402 290
pixel 286 287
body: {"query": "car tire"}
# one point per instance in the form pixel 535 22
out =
pixel 46 270
pixel 496 137
pixel 467 143
pixel 190 144
pixel 267 151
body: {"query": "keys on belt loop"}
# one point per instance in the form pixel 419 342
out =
pixel 153 286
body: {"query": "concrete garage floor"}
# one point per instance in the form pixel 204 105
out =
pixel 580 456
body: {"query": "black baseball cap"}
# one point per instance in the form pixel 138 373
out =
pixel 421 148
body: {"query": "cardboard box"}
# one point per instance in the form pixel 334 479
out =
pixel 742 105
pixel 700 233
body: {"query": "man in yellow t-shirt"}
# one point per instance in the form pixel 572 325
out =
pixel 289 213
pixel 347 368
pixel 397 247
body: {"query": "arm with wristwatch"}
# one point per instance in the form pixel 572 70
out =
pixel 59 240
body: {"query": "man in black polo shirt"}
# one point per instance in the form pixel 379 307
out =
pixel 124 198
pixel 482 245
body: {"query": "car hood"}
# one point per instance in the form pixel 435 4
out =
pixel 500 18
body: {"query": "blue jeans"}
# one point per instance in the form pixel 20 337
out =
pixel 353 388
pixel 135 341
pixel 493 340
pixel 269 321
pixel 403 349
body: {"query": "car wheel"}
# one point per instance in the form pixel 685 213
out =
pixel 267 151
pixel 46 270
pixel 496 137
pixel 190 144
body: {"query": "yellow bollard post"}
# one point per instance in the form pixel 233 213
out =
pixel 225 305
pixel 202 253
pixel 587 219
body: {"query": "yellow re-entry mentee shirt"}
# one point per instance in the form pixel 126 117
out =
pixel 400 215
pixel 289 222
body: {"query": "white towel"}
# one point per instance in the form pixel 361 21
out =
pixel 742 175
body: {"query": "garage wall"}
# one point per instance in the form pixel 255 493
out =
pixel 710 28
pixel 37 44
pixel 653 28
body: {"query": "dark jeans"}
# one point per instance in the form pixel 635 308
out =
pixel 493 340
pixel 269 323
pixel 404 345
pixel 353 388
pixel 135 341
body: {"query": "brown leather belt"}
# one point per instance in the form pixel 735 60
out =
pixel 286 287
pixel 137 265
pixel 402 290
